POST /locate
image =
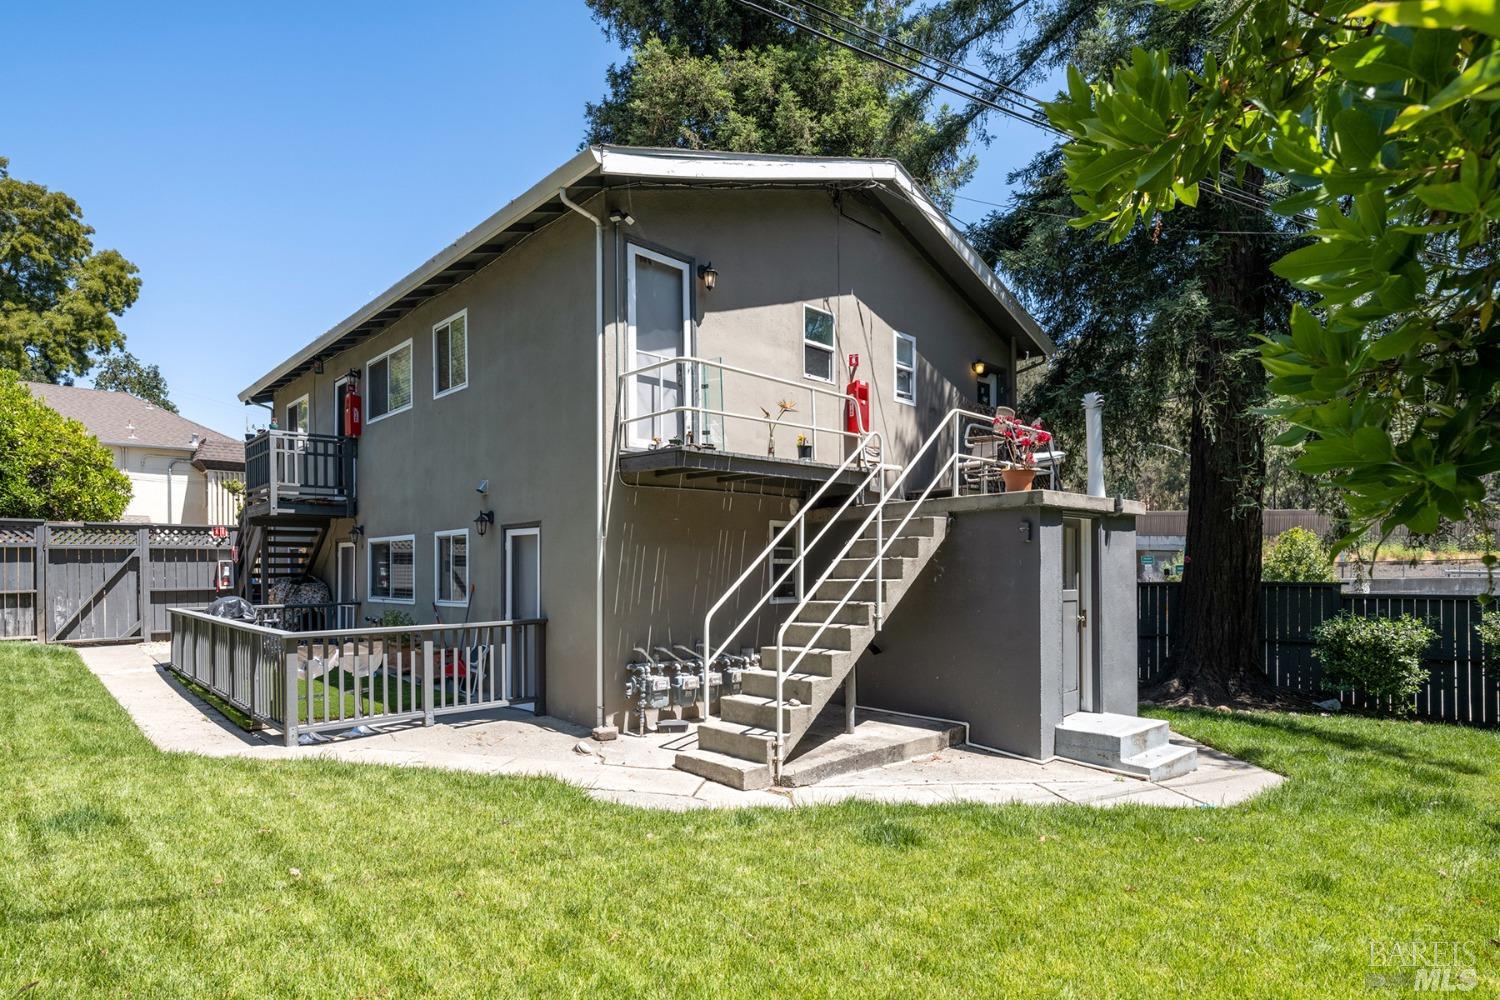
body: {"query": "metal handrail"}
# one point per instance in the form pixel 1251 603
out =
pixel 877 562
pixel 797 522
pixel 814 389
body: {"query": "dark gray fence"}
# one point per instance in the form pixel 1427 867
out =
pixel 103 582
pixel 1460 686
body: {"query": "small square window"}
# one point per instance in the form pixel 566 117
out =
pixel 390 382
pixel 817 344
pixel 392 568
pixel 788 591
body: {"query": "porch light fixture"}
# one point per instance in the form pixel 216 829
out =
pixel 358 531
pixel 619 216
pixel 709 275
pixel 483 521
pixel 980 367
pixel 317 366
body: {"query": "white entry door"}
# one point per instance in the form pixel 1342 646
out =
pixel 660 327
pixel 346 593
pixel 523 599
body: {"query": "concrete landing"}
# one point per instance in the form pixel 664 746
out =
pixel 878 739
pixel 639 771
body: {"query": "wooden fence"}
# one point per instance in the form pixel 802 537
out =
pixel 103 582
pixel 1461 687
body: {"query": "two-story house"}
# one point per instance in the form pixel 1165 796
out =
pixel 622 402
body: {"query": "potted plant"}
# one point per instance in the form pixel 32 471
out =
pixel 1020 442
pixel 804 448
pixel 783 407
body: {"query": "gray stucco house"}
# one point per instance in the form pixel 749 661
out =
pixel 620 402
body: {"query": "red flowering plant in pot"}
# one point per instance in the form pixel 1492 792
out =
pixel 1020 442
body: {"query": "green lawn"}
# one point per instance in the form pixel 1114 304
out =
pixel 125 871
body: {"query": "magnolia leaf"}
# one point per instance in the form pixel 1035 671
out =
pixel 1453 197
pixel 1375 59
pixel 1356 138
pixel 1479 77
pixel 1398 341
pixel 1479 14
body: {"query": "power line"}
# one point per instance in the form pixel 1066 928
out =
pixel 827 24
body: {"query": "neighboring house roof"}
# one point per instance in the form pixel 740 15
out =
pixel 122 420
pixel 598 167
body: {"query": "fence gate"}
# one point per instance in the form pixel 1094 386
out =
pixel 103 582
pixel 93 583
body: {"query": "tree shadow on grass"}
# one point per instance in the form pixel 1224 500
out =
pixel 1296 726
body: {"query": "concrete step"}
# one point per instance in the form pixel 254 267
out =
pixel 1160 763
pixel 726 770
pixel 806 688
pixel 1106 737
pixel 850 568
pixel 878 739
pixel 733 740
pixel 837 590
pixel 753 710
pixel 823 662
pixel 849 637
pixel 852 613
pixel 928 527
pixel 905 547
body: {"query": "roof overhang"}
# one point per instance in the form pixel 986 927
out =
pixel 599 167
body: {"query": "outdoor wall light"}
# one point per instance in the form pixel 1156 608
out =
pixel 1025 528
pixel 358 531
pixel 980 367
pixel 483 521
pixel 709 275
pixel 620 216
pixel 317 366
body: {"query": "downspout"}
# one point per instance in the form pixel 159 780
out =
pixel 562 196
pixel 1093 407
pixel 170 466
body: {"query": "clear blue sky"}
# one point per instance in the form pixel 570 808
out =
pixel 270 167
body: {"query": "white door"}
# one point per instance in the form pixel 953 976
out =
pixel 523 599
pixel 346 593
pixel 660 325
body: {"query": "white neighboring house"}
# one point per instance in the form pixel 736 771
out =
pixel 177 468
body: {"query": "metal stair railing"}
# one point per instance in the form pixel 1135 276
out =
pixel 796 523
pixel 883 542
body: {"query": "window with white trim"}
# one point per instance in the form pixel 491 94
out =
pixel 389 379
pixel 906 369
pixel 392 570
pixel 817 344
pixel 450 564
pixel 782 557
pixel 297 416
pixel 450 354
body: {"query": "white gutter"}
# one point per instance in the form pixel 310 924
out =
pixel 562 195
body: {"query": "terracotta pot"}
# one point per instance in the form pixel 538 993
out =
pixel 1018 479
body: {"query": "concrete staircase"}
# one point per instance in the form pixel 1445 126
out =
pixel 738 747
pixel 1125 743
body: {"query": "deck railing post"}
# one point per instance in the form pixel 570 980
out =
pixel 289 712
pixel 428 718
pixel 540 702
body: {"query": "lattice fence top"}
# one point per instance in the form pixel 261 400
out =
pixel 17 534
pixel 184 537
pixel 97 535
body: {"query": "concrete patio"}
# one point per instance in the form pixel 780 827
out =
pixel 640 772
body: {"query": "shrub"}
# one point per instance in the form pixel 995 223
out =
pixel 1381 657
pixel 52 468
pixel 1297 556
pixel 1489 634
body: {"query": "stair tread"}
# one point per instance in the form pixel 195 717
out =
pixel 1156 755
pixel 1109 723
pixel 739 729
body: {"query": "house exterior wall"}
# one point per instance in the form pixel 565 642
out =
pixel 979 636
pixel 524 422
pixel 153 500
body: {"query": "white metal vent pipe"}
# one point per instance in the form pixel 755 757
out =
pixel 1093 426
